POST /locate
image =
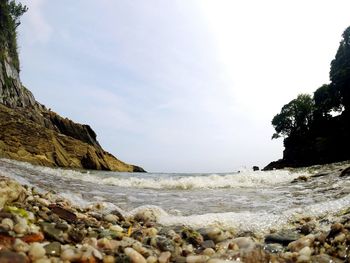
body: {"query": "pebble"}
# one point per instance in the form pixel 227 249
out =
pixel 108 259
pixel 36 251
pixel 53 249
pixel 299 244
pixel 197 259
pixel 111 218
pixel 20 228
pixel 152 259
pixel 208 251
pixel 20 246
pixel 116 228
pixel 7 223
pixel 164 257
pixel 135 256
pixel 68 254
pixel 43 201
pixel 86 236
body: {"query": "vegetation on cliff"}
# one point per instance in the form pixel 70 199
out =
pixel 9 21
pixel 316 129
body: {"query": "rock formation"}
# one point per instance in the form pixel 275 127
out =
pixel 30 132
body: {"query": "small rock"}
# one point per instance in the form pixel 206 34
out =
pixel 36 251
pixel 283 238
pixel 134 256
pixel 52 232
pixel 20 246
pixel 197 259
pixel 76 235
pixel 340 238
pixel 208 251
pixel 111 218
pixel 7 256
pixel 7 223
pixel 208 244
pixel 69 254
pixel 20 228
pixel 116 228
pixel 244 243
pixel 299 244
pixel 35 237
pixel 42 201
pixel 192 236
pixel 53 249
pixel 335 229
pixel 306 251
pixel 64 213
pixel 164 257
pixel 108 259
pixel 152 259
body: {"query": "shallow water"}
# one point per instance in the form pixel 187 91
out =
pixel 252 201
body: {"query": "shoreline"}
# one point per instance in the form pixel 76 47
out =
pixel 44 228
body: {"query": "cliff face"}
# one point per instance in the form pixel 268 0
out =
pixel 29 132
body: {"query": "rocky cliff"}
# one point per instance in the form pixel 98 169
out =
pixel 30 132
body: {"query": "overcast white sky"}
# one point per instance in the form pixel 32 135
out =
pixel 181 85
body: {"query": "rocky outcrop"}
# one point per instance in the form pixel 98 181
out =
pixel 30 132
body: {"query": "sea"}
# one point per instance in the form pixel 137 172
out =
pixel 255 201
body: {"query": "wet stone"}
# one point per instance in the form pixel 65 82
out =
pixel 165 244
pixel 7 256
pixel 122 258
pixel 63 213
pixel 53 249
pixel 62 226
pixel 208 244
pixel 274 248
pixel 118 214
pixel 52 232
pixel 76 235
pixel 283 238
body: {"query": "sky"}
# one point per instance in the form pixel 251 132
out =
pixel 181 85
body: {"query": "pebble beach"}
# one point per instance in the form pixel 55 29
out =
pixel 43 227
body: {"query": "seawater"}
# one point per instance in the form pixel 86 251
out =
pixel 247 200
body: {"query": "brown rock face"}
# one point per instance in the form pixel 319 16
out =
pixel 29 132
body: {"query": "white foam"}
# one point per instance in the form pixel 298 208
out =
pixel 246 179
pixel 168 181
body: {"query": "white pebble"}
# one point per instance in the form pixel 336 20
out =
pixel 164 257
pixel 135 256
pixel 208 251
pixel 36 251
pixel 43 201
pixel 7 223
pixel 340 238
pixel 116 228
pixel 20 246
pixel 68 254
pixel 197 259
pixel 152 259
pixel 111 218
pixel 306 251
pixel 20 228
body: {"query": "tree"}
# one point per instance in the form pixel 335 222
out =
pixel 340 72
pixel 326 100
pixel 295 117
pixel 10 13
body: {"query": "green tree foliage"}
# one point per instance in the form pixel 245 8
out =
pixel 340 72
pixel 326 100
pixel 294 117
pixel 10 13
